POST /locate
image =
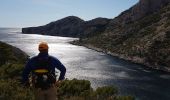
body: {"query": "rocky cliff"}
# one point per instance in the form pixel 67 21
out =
pixel 70 27
pixel 143 39
pixel 138 11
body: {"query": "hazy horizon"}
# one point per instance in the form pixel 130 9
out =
pixel 21 13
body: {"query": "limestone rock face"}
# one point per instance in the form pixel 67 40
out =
pixel 136 12
pixel 145 7
pixel 141 9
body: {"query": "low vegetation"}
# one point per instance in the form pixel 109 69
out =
pixel 82 90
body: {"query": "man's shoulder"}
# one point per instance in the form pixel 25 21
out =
pixel 53 58
pixel 33 58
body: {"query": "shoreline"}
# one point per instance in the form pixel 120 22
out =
pixel 136 60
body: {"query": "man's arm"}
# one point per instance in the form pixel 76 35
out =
pixel 26 72
pixel 60 67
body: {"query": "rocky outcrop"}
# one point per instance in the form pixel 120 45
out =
pixel 138 11
pixel 70 27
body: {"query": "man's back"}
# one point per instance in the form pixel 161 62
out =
pixel 42 68
pixel 43 60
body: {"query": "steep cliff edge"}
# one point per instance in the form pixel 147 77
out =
pixel 144 40
pixel 136 12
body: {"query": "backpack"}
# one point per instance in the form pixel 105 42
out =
pixel 42 76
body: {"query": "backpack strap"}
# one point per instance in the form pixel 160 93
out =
pixel 41 71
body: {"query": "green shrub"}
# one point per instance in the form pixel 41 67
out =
pixel 11 71
pixel 167 23
pixel 74 87
pixel 13 90
pixel 153 18
pixel 81 90
pixel 124 98
pixel 106 92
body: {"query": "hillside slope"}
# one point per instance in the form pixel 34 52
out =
pixel 145 41
pixel 10 54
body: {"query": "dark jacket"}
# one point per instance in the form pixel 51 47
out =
pixel 53 63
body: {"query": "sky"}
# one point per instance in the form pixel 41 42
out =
pixel 27 13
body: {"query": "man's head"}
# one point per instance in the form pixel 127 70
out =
pixel 43 47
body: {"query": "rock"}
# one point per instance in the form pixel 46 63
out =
pixel 140 10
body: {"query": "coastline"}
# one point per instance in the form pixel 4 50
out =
pixel 135 59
